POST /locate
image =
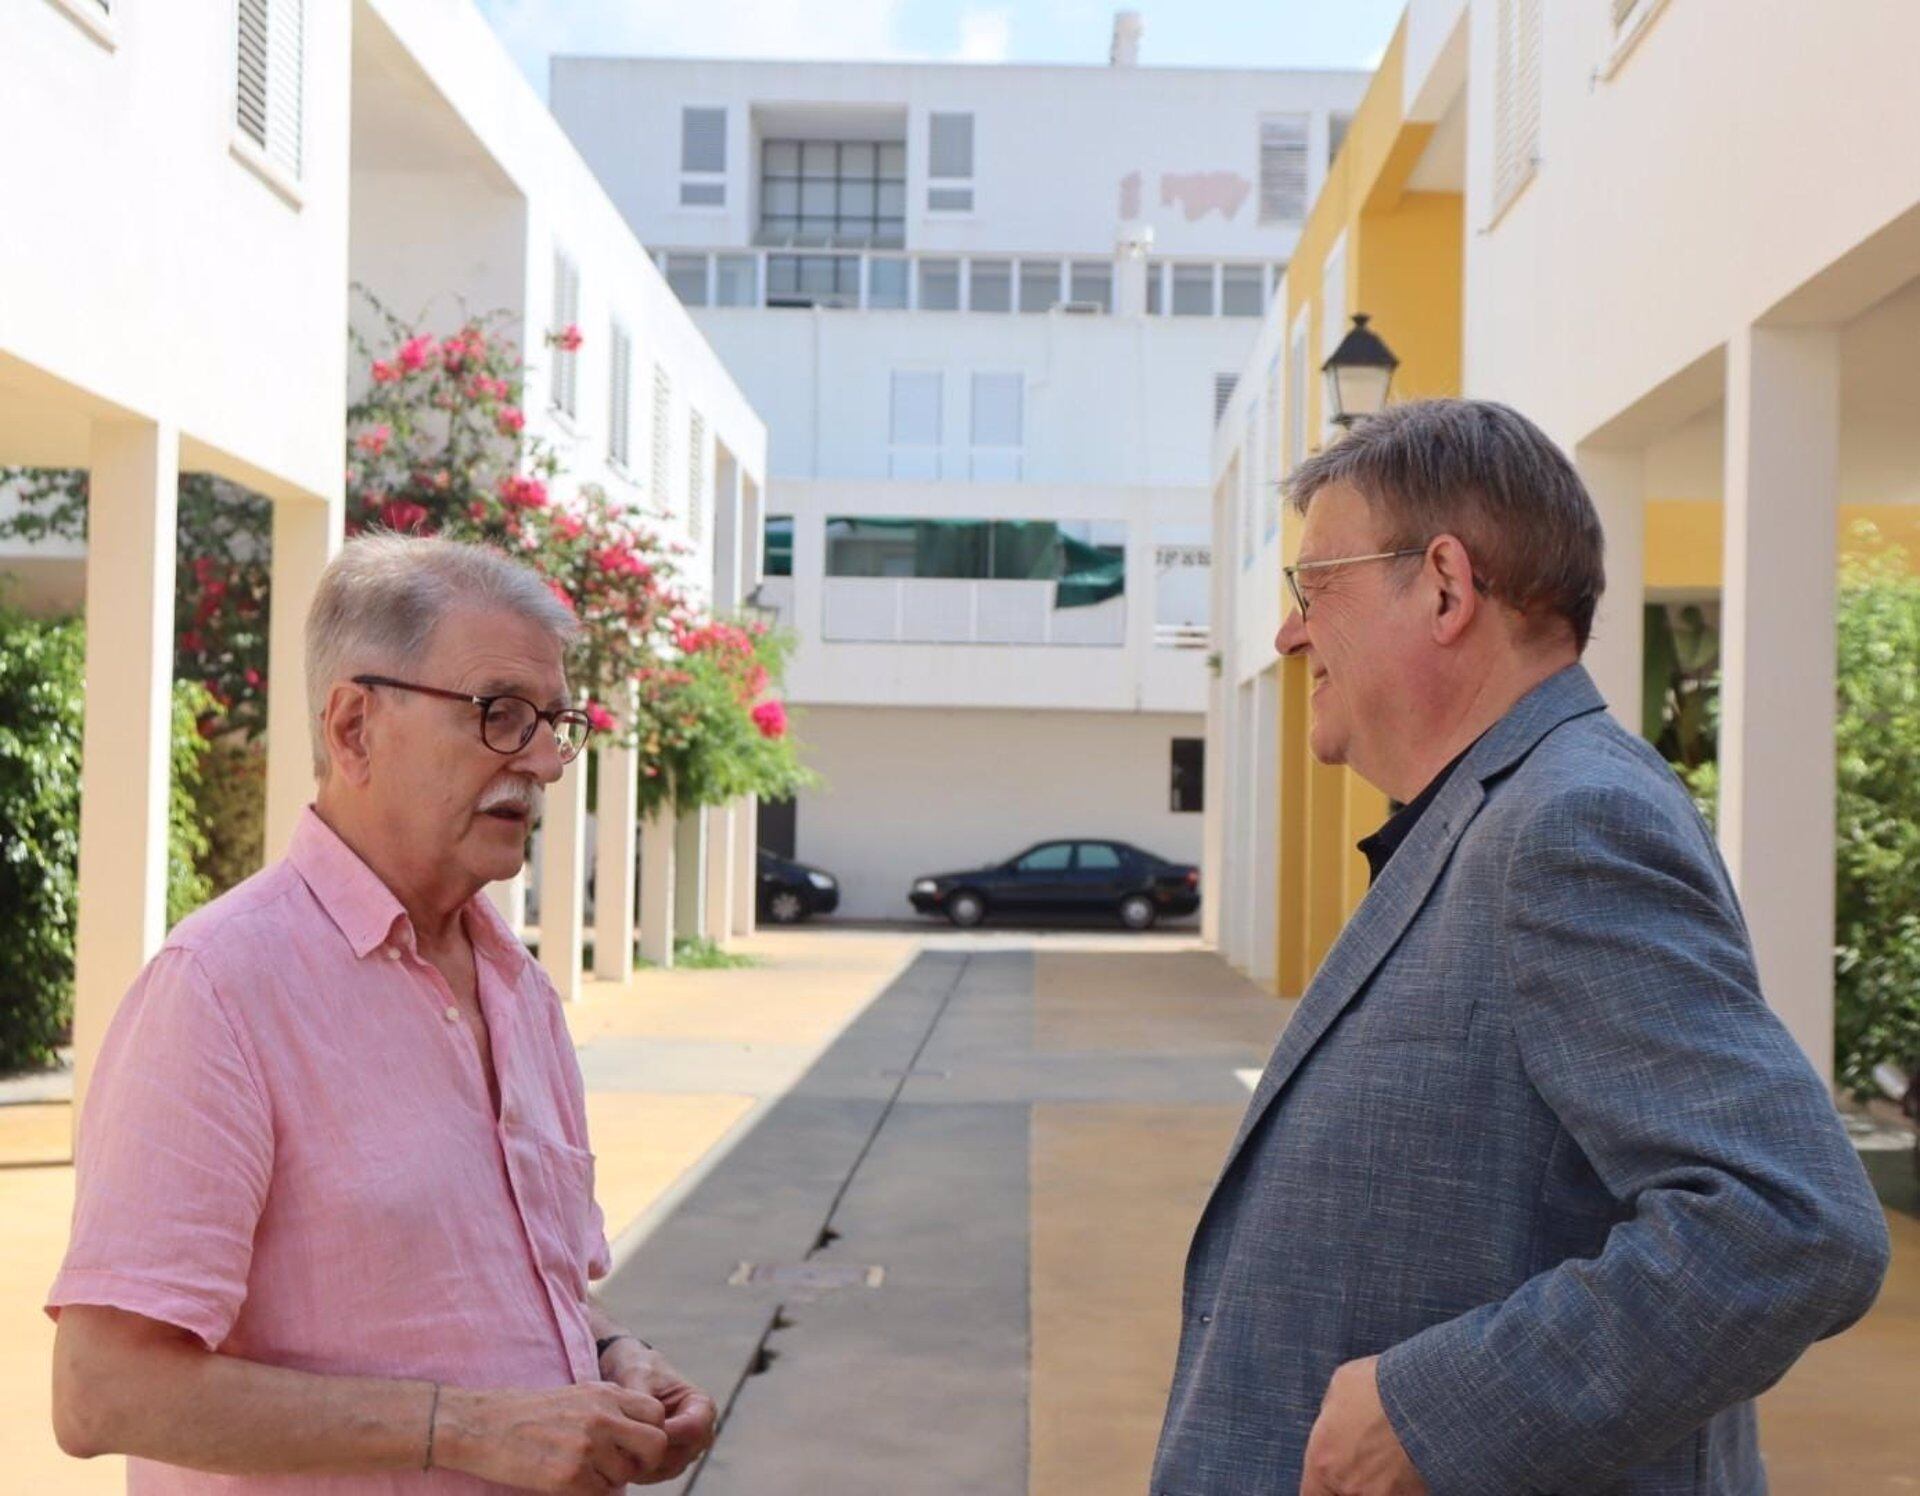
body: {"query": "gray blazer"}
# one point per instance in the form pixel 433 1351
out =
pixel 1534 1137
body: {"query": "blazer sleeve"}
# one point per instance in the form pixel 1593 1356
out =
pixel 1752 1231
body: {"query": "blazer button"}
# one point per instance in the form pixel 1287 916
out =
pixel 1206 1319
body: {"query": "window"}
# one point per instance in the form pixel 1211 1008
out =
pixel 566 313
pixel 696 475
pixel 1055 857
pixel 268 77
pixel 1297 392
pixel 950 163
pixel 687 274
pixel 998 427
pixel 1156 287
pixel 1099 857
pixel 733 281
pixel 662 438
pixel 1193 290
pixel 776 553
pixel 887 282
pixel 813 280
pixel 1516 99
pixel 1243 290
pixel 913 424
pixel 1039 285
pixel 1283 168
pixel 1090 283
pixel 939 285
pixel 1182 585
pixel 1223 388
pixel 833 193
pixel 619 396
pixel 1337 125
pixel 1271 470
pixel 1188 775
pixel 703 158
pixel 990 286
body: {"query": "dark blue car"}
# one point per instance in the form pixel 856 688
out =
pixel 1082 876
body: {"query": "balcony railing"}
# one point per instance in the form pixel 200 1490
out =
pixel 922 610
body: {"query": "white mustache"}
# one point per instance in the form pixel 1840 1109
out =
pixel 511 793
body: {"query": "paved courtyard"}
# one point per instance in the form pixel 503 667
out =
pixel 914 1207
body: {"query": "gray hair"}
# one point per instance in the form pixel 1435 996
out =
pixel 1488 476
pixel 381 598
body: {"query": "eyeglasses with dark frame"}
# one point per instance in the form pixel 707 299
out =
pixel 1292 573
pixel 507 722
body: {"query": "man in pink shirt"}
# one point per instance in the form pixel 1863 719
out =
pixel 334 1222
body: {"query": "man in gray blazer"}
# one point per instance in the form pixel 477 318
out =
pixel 1536 1193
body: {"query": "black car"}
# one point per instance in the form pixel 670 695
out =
pixel 791 891
pixel 1066 877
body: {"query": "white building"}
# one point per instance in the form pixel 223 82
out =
pixel 989 314
pixel 188 198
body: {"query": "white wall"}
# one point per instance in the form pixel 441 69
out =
pixel 906 793
pixel 145 265
pixel 1052 145
pixel 1135 676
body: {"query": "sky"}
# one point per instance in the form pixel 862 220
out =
pixel 1179 33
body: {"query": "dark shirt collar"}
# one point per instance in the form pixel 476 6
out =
pixel 1379 848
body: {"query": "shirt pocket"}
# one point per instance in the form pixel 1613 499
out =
pixel 567 1225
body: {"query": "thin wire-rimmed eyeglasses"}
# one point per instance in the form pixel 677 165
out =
pixel 1292 573
pixel 507 722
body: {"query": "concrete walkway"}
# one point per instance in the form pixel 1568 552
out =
pixel 914 1206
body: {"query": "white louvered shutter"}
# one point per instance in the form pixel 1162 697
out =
pixel 1223 388
pixel 1283 168
pixel 270 77
pixel 662 438
pixel 696 475
pixel 566 313
pixel 619 396
pixel 1516 101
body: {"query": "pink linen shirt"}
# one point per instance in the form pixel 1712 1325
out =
pixel 288 1149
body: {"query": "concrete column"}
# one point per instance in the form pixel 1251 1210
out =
pixel 1777 663
pixel 1616 656
pixel 125 769
pixel 563 868
pixel 718 924
pixel 689 875
pixel 657 887
pixel 746 865
pixel 510 898
pixel 1294 882
pixel 614 849
pixel 726 532
pixel 1264 937
pixel 306 536
pixel 1213 823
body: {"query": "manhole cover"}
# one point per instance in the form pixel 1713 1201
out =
pixel 818 1275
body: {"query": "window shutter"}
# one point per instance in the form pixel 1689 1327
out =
pixel 251 76
pixel 566 313
pixel 950 146
pixel 269 67
pixel 696 475
pixel 1516 102
pixel 620 395
pixel 703 140
pixel 662 437
pixel 1283 168
pixel 1223 388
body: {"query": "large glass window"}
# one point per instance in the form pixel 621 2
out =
pixel 990 286
pixel 833 193
pixel 939 285
pixel 733 280
pixel 813 280
pixel 687 274
pixel 913 424
pixel 997 432
pixel 1092 283
pixel 1243 290
pixel 1039 285
pixel 1193 290
pixel 776 556
pixel 887 282
pixel 1087 558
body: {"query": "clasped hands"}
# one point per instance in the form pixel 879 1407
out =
pixel 643 1425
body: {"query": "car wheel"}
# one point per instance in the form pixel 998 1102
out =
pixel 966 909
pixel 786 908
pixel 1137 912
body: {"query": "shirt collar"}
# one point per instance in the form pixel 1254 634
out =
pixel 1379 848
pixel 364 908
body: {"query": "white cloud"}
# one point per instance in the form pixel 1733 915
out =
pixel 985 35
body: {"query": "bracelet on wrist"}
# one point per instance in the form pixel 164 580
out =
pixel 600 1347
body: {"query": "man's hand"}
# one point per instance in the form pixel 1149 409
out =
pixel 1353 1450
pixel 585 1440
pixel 690 1414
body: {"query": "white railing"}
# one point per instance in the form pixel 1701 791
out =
pixel 1182 636
pixel 920 610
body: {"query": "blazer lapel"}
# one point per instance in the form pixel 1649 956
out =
pixel 1391 904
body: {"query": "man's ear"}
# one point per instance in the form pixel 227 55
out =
pixel 1456 600
pixel 345 726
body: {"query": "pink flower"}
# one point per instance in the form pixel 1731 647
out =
pixel 253 679
pixel 415 352
pixel 384 372
pixel 567 527
pixel 599 717
pixel 476 511
pixel 523 493
pixel 568 339
pixel 191 640
pixel 374 442
pixel 403 515
pixel 771 718
pixel 565 597
pixel 511 421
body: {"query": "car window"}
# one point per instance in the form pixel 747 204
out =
pixel 1052 858
pixel 1098 857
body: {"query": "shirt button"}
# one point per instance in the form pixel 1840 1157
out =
pixel 453 1014
pixel 393 953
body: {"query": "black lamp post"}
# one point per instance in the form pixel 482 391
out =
pixel 1359 373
